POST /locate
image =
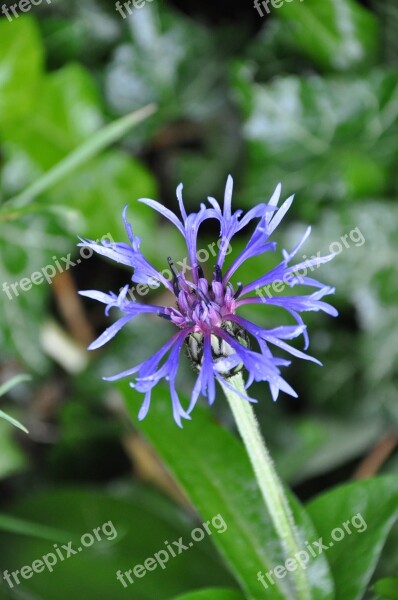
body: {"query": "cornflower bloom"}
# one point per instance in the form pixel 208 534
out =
pixel 204 313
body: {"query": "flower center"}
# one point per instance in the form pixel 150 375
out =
pixel 202 306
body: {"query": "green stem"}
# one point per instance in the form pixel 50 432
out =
pixel 268 481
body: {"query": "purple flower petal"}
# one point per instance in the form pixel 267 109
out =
pixel 205 311
pixel 109 333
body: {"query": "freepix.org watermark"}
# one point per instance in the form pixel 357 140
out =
pixel 302 558
pixel 265 5
pixel 48 272
pixel 161 557
pixel 355 237
pixel 48 561
pixel 127 8
pixel 23 6
pixel 183 266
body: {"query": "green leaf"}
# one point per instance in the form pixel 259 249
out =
pixel 171 60
pixel 21 58
pixel 212 594
pixel 387 588
pixel 22 527
pixel 326 139
pixel 13 421
pixel 364 273
pixel 214 470
pixel 8 385
pixel 105 185
pixel 12 459
pixel 335 34
pixel 93 146
pixel 274 51
pixel 25 250
pixel 320 445
pixel 68 114
pixel 388 18
pixel 369 508
pixel 144 523
pixel 178 63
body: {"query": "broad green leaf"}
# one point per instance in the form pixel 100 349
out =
pixel 369 510
pixel 68 114
pixel 336 34
pixel 387 588
pixel 21 57
pixel 134 526
pixel 214 470
pixel 212 594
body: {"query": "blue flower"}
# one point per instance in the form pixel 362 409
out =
pixel 205 313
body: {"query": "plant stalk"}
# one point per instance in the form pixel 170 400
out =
pixel 267 478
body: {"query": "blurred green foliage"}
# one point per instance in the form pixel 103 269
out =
pixel 307 96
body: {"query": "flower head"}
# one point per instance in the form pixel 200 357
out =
pixel 204 312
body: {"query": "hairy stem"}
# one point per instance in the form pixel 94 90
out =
pixel 268 481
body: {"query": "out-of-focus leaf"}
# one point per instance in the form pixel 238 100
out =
pixel 8 385
pixel 387 589
pixel 205 166
pixel 99 191
pixel 21 57
pixel 364 272
pixel 212 594
pixel 388 18
pixel 82 32
pixel 23 252
pixel 200 458
pixel 325 139
pixel 171 60
pixel 12 460
pixel 175 62
pixel 19 526
pixel 320 445
pixel 336 34
pixel 69 112
pixel 132 529
pixel 62 135
pixel 374 506
pixel 274 51
pixel 13 421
